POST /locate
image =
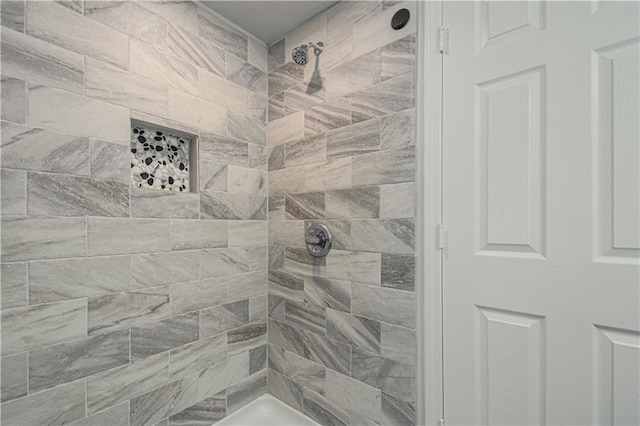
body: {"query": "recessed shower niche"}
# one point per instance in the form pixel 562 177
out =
pixel 163 159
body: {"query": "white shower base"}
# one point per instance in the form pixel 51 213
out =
pixel 267 411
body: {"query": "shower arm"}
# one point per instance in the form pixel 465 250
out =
pixel 317 47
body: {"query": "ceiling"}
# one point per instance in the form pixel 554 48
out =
pixel 268 20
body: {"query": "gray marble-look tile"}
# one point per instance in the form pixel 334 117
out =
pixel 246 75
pixel 41 325
pixel 74 360
pixel 311 149
pixel 224 318
pixel 58 406
pixel 340 232
pixel 222 375
pixel 243 233
pixel 258 207
pixel 258 157
pixel 119 236
pixel 14 285
pixel 198 234
pixel 110 84
pixel 164 68
pixel 304 96
pixel 353 75
pixel 14 99
pixel 67 112
pixel 42 238
pixel 398 343
pixel 298 262
pixel 229 261
pixel 304 372
pixel 311 346
pixel 276 157
pixel 328 116
pixel 310 205
pixel 355 266
pixel 42 150
pixel 193 111
pixel 257 359
pixel 333 174
pixel 276 207
pixel 12 14
pixel 196 295
pixel 388 235
pixel 223 92
pixel 275 56
pixel 156 337
pixel 154 120
pixel 398 200
pixel 353 203
pixel 398 130
pixel 384 304
pixel 288 233
pixel 245 391
pixel 387 375
pixel 196 50
pixel 286 285
pixel 163 402
pixel 285 77
pixel 123 310
pixel 247 337
pixel 399 57
pixel 181 13
pixel 204 413
pixel 354 397
pixel 110 161
pixel 395 94
pixel 223 149
pixel 398 271
pixel 276 307
pixel 275 107
pixel 63 195
pixel 114 416
pixel 130 18
pixel 354 330
pixel 257 54
pixel 246 181
pixel 328 293
pixel 284 389
pixel 359 138
pixel 246 128
pixel 65 28
pixel 36 61
pixel 305 316
pixel 323 410
pixel 75 5
pixel 152 203
pixel 385 167
pixel 213 176
pixel 13 190
pixel 221 34
pixel 286 129
pixel 128 381
pixel 54 280
pixel 15 376
pixel 197 355
pixel 397 412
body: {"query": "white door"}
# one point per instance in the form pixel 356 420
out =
pixel 541 204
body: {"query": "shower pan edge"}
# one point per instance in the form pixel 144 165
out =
pixel 267 410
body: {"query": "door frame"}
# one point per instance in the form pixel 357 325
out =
pixel 429 331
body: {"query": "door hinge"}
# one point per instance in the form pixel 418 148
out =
pixel 441 422
pixel 443 40
pixel 441 233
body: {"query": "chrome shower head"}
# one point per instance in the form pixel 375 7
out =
pixel 300 54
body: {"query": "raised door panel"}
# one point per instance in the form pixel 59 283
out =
pixel 504 21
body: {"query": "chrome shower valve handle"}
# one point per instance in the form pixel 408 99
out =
pixel 317 239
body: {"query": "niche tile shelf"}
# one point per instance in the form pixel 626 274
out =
pixel 163 159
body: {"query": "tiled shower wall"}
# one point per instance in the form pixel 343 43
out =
pixel 340 140
pixel 123 305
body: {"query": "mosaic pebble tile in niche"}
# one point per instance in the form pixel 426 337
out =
pixel 159 160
